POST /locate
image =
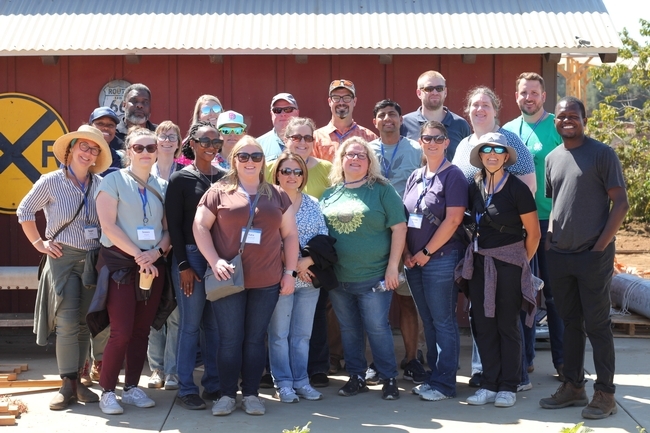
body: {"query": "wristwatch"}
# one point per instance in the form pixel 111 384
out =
pixel 425 251
pixel 161 252
pixel 294 274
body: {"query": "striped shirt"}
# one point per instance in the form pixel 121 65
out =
pixel 59 198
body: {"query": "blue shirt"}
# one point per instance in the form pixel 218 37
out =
pixel 457 128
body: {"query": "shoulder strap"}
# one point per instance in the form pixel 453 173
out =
pixel 146 185
pixel 248 225
pixel 81 205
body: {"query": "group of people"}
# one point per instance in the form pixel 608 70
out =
pixel 344 221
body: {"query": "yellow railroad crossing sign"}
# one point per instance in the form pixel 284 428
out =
pixel 28 129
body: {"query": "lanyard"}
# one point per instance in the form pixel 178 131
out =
pixel 342 136
pixel 250 203
pixel 171 170
pixel 426 186
pixel 385 164
pixel 521 125
pixel 488 199
pixel 82 187
pixel 145 201
pixel 342 189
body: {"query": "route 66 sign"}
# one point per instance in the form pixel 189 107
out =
pixel 111 96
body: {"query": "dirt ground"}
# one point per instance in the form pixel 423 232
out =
pixel 633 249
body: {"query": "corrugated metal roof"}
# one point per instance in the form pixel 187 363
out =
pixel 83 27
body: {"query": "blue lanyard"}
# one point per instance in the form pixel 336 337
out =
pixel 171 170
pixel 82 187
pixel 488 200
pixel 385 164
pixel 429 185
pixel 145 201
pixel 342 136
pixel 521 125
pixel 250 203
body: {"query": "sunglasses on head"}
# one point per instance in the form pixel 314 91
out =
pixel 438 139
pixel 205 110
pixel 167 137
pixel 497 149
pixel 206 142
pixel 288 171
pixel 227 130
pixel 85 147
pixel 278 110
pixel 296 138
pixel 430 89
pixel 255 156
pixel 139 148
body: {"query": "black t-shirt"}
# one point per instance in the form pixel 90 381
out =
pixel 505 208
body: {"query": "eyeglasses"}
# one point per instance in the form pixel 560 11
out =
pixel 287 110
pixel 206 109
pixel 496 149
pixel 338 98
pixel 430 89
pixel 255 156
pixel 85 147
pixel 167 137
pixel 226 130
pixel 359 156
pixel 206 142
pixel 288 171
pixel 104 125
pixel 296 138
pixel 438 139
pixel 139 148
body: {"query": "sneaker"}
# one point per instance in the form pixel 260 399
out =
pixel 253 405
pixel 192 402
pixel 505 399
pixel 214 396
pixel 417 390
pixel 602 405
pixel 109 405
pixel 309 393
pixel 524 387
pixel 476 380
pixel 354 386
pixel 136 397
pixel 372 378
pixel 415 372
pixel 482 396
pixel 319 380
pixel 156 380
pixel 85 375
pixel 224 406
pixel 566 395
pixel 286 395
pixel 433 395
pixel 267 381
pixel 171 382
pixel 390 390
pixel 96 370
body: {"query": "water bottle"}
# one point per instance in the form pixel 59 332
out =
pixel 381 285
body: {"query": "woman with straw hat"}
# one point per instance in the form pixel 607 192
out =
pixel 70 242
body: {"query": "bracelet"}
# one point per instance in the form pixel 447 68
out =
pixel 37 241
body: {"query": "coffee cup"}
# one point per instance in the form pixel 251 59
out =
pixel 146 280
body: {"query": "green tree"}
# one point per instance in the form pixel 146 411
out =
pixel 622 117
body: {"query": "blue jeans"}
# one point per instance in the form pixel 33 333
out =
pixel 195 313
pixel 289 334
pixel 243 319
pixel 358 308
pixel 435 295
pixel 163 344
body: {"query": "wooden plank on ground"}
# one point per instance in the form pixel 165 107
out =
pixel 633 325
pixel 7 377
pixel 37 383
pixel 9 369
pixel 22 367
pixel 7 420
pixel 4 407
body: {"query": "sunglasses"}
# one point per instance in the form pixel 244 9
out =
pixel 205 142
pixel 288 171
pixel 338 98
pixel 359 156
pixel 255 156
pixel 85 147
pixel 438 139
pixel 296 138
pixel 496 149
pixel 216 109
pixel 167 137
pixel 278 110
pixel 226 130
pixel 430 89
pixel 139 148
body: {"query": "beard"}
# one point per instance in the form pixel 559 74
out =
pixel 433 105
pixel 342 111
pixel 136 119
pixel 530 112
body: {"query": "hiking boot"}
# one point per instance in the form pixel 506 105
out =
pixel 505 399
pixel 253 405
pixel 390 390
pixel 560 372
pixel 372 377
pixel 319 380
pixel 481 397
pixel 602 405
pixel 286 395
pixel 308 393
pixel 83 394
pixel 84 375
pixel 415 372
pixel 224 406
pixel 354 386
pixel 156 380
pixel 63 397
pixel 192 402
pixel 96 370
pixel 109 405
pixel 136 397
pixel 566 395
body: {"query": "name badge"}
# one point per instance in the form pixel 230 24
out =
pixel 415 220
pixel 254 236
pixel 91 232
pixel 146 233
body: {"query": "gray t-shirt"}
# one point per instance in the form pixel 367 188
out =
pixel 398 161
pixel 577 180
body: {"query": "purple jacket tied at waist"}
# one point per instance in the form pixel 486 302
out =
pixel 514 254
